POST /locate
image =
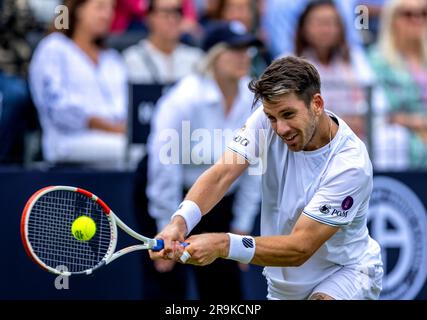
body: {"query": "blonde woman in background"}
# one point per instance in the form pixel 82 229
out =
pixel 400 63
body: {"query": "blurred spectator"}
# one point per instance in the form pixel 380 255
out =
pixel 80 88
pixel 400 64
pixel 246 12
pixel 129 14
pixel 125 12
pixel 15 21
pixel 320 38
pixel 374 8
pixel 214 103
pixel 206 10
pixel 280 22
pixel 240 10
pixel 190 24
pixel 15 103
pixel 161 58
pixel 44 10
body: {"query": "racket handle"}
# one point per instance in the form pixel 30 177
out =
pixel 160 245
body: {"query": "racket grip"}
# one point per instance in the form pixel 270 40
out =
pixel 160 245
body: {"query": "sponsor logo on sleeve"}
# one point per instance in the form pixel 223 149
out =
pixel 242 141
pixel 339 213
pixel 327 209
pixel 347 203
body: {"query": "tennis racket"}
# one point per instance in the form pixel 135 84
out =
pixel 46 231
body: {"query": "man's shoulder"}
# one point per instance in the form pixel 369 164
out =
pixel 350 156
pixel 352 161
pixel 258 114
pixel 352 145
pixel 353 148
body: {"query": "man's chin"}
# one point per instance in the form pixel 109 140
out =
pixel 295 147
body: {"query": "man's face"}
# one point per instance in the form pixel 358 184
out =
pixel 293 122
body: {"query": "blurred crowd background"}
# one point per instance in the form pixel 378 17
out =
pixel 69 77
pixel 371 54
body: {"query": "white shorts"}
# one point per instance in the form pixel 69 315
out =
pixel 353 283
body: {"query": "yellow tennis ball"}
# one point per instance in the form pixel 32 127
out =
pixel 83 228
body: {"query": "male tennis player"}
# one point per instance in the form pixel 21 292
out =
pixel 315 193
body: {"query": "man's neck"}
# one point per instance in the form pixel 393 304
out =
pixel 330 129
pixel 325 132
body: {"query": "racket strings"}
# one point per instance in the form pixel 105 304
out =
pixel 50 236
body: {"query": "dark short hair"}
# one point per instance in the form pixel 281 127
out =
pixel 286 75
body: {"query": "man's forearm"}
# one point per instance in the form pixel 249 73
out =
pixel 208 190
pixel 280 251
pixel 212 185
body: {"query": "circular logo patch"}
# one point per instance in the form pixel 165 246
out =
pixel 325 208
pixel 347 203
pixel 397 220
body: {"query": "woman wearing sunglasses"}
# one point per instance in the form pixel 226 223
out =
pixel 400 63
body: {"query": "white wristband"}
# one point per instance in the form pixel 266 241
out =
pixel 242 248
pixel 191 213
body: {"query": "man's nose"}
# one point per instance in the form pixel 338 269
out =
pixel 282 128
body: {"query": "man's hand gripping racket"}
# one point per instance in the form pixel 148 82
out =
pixel 175 230
pixel 46 231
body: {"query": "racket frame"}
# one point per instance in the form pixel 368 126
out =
pixel 110 256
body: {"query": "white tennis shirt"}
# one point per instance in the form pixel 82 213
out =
pixel 331 185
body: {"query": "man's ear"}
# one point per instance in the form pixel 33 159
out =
pixel 318 104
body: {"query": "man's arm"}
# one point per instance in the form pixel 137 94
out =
pixel 306 238
pixel 206 192
pixel 212 185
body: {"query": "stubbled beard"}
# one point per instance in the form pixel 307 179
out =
pixel 313 128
